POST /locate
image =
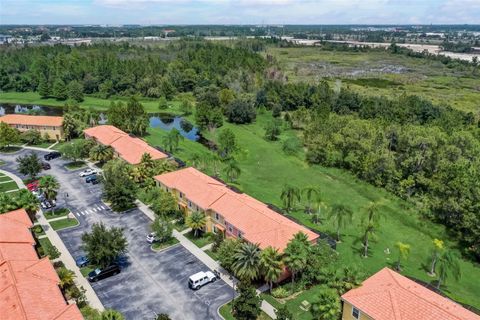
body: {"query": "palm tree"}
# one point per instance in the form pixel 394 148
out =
pixel 289 195
pixel 28 201
pixel 232 170
pixel 66 277
pixel 69 125
pixel 172 140
pixel 246 263
pixel 403 251
pixel 49 185
pixel 147 161
pixel 437 250
pixel 271 265
pixel 370 224
pixel 312 194
pixel 296 254
pixel 327 306
pixel 196 221
pixel 111 314
pixel 448 265
pixel 101 153
pixel 342 215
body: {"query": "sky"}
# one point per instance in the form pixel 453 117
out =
pixel 146 12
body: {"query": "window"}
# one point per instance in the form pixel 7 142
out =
pixel 230 229
pixel 181 195
pixel 240 235
pixel 217 216
pixel 355 313
pixel 189 204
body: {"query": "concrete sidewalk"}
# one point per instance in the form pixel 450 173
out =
pixel 69 262
pixel 206 259
pixel 66 257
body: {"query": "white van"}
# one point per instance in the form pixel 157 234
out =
pixel 201 278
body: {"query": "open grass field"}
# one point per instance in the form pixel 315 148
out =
pixel 382 73
pixel 265 169
pixel 98 104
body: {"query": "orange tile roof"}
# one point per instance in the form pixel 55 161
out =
pixel 28 286
pixel 387 295
pixel 29 120
pixel 258 223
pixel 128 148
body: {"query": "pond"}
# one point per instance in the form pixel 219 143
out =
pixel 6 108
pixel 168 122
pixel 163 121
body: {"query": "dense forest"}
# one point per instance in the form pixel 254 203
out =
pixel 425 153
pixel 107 70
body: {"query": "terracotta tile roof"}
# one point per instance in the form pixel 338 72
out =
pixel 387 295
pixel 28 286
pixel 258 223
pixel 29 120
pixel 128 148
pixel 14 227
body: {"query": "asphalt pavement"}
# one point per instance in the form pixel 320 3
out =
pixel 150 282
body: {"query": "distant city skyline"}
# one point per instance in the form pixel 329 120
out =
pixel 252 12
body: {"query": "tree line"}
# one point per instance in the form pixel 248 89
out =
pixel 109 69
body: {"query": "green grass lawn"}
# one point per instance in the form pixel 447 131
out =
pixel 56 213
pixel 4 178
pixel 44 244
pixel 63 223
pixel 75 165
pixel 4 187
pixel 2 162
pixel 201 240
pixel 10 149
pixel 42 144
pixel 86 270
pixel 151 105
pixel 265 169
pixel 157 246
pixel 225 312
pixel 212 254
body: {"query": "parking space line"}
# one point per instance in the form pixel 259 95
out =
pixel 94 209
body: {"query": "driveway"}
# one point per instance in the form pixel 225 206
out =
pixel 150 282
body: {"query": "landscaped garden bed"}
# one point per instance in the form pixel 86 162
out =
pixel 75 165
pixel 158 246
pixel 201 240
pixel 64 223
pixel 52 214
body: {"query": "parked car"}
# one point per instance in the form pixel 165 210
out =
pixel 52 155
pixel 82 261
pixel 46 166
pixel 152 237
pixel 95 181
pixel 91 178
pixel 32 186
pixel 200 279
pixel 39 194
pixel 45 204
pixel 99 274
pixel 87 172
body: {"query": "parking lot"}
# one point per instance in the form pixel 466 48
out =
pixel 150 282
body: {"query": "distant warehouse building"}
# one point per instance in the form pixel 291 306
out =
pixel 128 148
pixel 53 126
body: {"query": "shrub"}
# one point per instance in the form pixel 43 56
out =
pixel 280 292
pixel 291 146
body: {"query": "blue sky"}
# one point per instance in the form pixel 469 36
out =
pixel 239 11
